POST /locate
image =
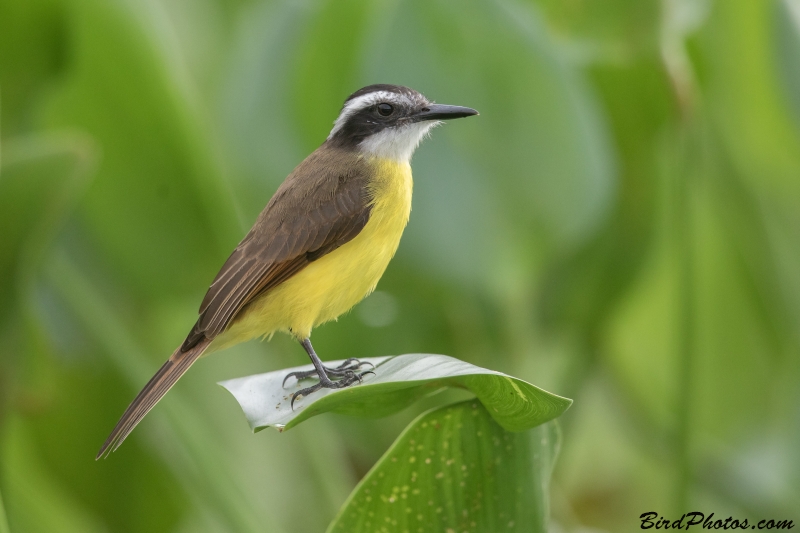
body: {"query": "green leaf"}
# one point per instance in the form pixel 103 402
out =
pixel 456 469
pixel 605 31
pixel 787 36
pixel 37 499
pixel 3 521
pixel 746 99
pixel 41 178
pixel 31 48
pixel 398 381
pixel 159 175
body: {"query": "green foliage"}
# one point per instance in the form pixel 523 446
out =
pixel 3 520
pixel 42 177
pixel 619 226
pixel 397 382
pixel 454 468
pixel 459 467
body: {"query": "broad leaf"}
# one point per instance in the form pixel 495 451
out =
pixel 41 177
pixel 456 469
pixel 398 381
pixel 3 521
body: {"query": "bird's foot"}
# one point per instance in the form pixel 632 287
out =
pixel 348 366
pixel 349 378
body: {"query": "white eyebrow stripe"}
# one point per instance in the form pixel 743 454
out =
pixel 361 102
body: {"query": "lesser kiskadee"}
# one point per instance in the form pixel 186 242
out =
pixel 318 248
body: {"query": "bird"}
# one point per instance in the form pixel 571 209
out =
pixel 319 246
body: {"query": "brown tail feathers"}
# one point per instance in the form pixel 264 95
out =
pixel 178 363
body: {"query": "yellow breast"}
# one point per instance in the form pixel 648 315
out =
pixel 337 281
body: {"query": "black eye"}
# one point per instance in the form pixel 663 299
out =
pixel 385 109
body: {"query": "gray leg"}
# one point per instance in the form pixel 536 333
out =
pixel 347 372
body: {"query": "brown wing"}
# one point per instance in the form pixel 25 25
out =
pixel 322 205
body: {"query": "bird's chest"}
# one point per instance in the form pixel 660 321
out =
pixel 390 191
pixel 342 278
pixel 353 270
pixel 359 264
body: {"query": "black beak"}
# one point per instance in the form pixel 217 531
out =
pixel 443 112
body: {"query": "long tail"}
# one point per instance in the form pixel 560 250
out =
pixel 178 363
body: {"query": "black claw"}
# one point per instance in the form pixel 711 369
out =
pixel 358 364
pixel 340 371
pixel 346 365
pixel 299 376
pixel 304 392
pixel 349 378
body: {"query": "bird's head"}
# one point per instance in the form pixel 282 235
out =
pixel 389 121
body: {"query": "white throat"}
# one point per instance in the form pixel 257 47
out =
pixel 397 144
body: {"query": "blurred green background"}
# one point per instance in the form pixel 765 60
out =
pixel 621 226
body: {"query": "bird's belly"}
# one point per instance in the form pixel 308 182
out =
pixel 334 283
